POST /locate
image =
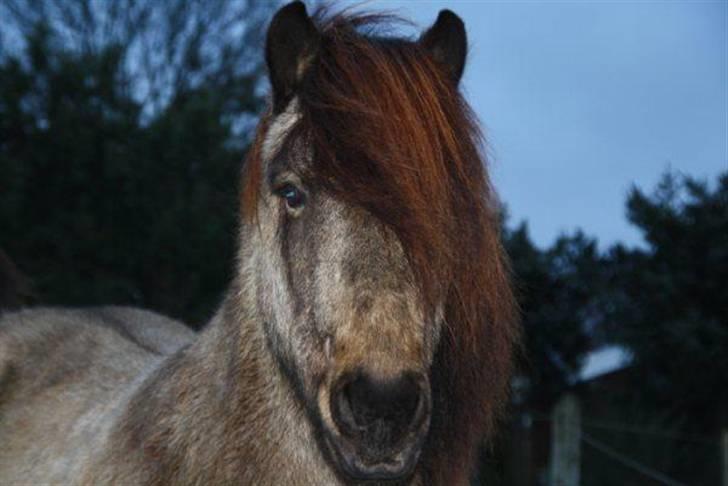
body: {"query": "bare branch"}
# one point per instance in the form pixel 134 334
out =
pixel 167 47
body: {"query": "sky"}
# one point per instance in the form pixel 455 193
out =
pixel 581 100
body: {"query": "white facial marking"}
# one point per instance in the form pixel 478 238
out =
pixel 279 128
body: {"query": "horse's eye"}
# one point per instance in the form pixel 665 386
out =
pixel 293 196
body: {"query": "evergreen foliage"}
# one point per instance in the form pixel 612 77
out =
pixel 117 189
pixel 671 299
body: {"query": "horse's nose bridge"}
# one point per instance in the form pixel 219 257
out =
pixel 384 333
pixel 374 306
pixel 374 256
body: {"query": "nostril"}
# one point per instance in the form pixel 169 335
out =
pixel 373 401
pixel 380 410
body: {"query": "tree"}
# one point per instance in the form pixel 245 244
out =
pixel 163 48
pixel 670 298
pixel 665 302
pixel 118 169
pixel 558 290
pixel 15 289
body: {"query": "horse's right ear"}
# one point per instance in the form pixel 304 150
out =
pixel 291 45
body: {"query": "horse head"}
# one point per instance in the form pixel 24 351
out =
pixel 370 236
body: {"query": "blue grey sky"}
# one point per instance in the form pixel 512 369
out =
pixel 581 100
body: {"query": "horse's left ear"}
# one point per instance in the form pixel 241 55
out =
pixel 447 43
pixel 292 42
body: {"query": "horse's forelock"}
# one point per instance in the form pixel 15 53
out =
pixel 390 132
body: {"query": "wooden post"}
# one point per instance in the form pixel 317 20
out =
pixel 518 467
pixel 724 455
pixel 565 442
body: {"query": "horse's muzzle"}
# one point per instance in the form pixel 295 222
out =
pixel 381 423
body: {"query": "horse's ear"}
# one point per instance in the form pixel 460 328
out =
pixel 447 43
pixel 291 44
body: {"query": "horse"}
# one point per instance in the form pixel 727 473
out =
pixel 367 334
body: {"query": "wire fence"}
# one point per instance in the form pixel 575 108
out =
pixel 626 459
pixel 629 462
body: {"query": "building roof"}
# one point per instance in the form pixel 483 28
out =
pixel 603 361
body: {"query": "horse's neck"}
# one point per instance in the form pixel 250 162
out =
pixel 221 411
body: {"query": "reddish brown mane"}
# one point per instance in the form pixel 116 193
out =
pixel 391 133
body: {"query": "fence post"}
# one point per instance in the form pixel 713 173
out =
pixel 519 463
pixel 724 455
pixel 565 442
